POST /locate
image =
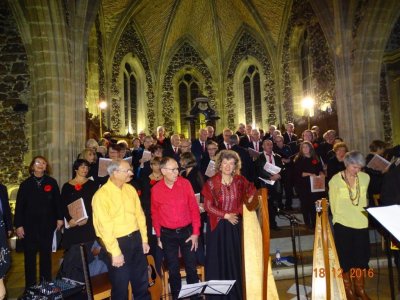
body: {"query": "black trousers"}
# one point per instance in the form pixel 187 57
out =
pixel 173 240
pixel 134 270
pixel 31 248
pixel 352 247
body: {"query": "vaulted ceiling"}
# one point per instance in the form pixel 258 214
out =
pixel 211 25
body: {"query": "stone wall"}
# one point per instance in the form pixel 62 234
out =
pixel 14 92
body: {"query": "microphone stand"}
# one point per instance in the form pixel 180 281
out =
pixel 293 222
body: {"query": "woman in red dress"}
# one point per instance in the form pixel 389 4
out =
pixel 224 196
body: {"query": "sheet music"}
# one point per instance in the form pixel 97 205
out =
pixel 210 172
pixel 103 164
pixel 218 287
pixel 129 160
pixel 253 153
pixel 317 183
pixel 212 287
pixel 388 216
pixel 146 155
pixel 271 169
pixel 378 163
pixel 270 182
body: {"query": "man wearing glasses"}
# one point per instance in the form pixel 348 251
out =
pixel 119 221
pixel 176 221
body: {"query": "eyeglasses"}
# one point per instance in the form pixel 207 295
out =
pixel 43 163
pixel 173 170
pixel 125 171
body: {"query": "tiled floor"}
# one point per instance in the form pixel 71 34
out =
pixel 377 287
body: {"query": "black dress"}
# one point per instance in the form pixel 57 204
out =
pixel 5 256
pixel 74 236
pixel 37 210
pixel 84 233
pixel 303 187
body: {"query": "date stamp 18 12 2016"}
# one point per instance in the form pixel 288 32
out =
pixel 338 273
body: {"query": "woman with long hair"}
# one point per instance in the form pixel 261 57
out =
pixel 307 165
pixel 224 195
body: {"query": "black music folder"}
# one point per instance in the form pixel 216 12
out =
pixel 211 287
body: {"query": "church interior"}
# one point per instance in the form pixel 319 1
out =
pixel 72 70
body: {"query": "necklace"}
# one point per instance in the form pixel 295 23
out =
pixel 227 182
pixel 38 180
pixel 355 199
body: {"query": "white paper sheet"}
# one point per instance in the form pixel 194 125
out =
pixel 388 216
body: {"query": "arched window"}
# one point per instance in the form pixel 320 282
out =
pixel 252 96
pixel 188 91
pixel 130 99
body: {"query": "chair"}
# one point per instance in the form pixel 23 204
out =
pixel 97 287
pixel 165 276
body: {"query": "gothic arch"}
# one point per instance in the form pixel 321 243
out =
pixel 131 43
pixel 247 46
pixel 186 56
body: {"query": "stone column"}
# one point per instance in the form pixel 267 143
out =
pixel 55 38
pixel 357 35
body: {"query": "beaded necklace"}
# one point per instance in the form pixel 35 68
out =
pixel 355 199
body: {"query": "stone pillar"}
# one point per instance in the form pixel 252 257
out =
pixel 357 33
pixel 55 38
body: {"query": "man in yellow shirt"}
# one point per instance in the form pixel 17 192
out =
pixel 120 223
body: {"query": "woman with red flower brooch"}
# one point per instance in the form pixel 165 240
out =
pixel 79 231
pixel 146 183
pixel 38 213
pixel 306 165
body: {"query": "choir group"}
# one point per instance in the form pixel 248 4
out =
pixel 170 196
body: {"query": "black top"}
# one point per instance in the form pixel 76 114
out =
pixel 376 178
pixel 38 207
pixel 247 170
pixel 5 205
pixel 390 192
pixel 5 256
pixel 84 233
pixel 196 179
pixel 333 167
pixel 307 165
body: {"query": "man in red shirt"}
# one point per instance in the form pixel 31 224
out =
pixel 176 221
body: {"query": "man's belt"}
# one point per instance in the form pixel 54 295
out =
pixel 176 230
